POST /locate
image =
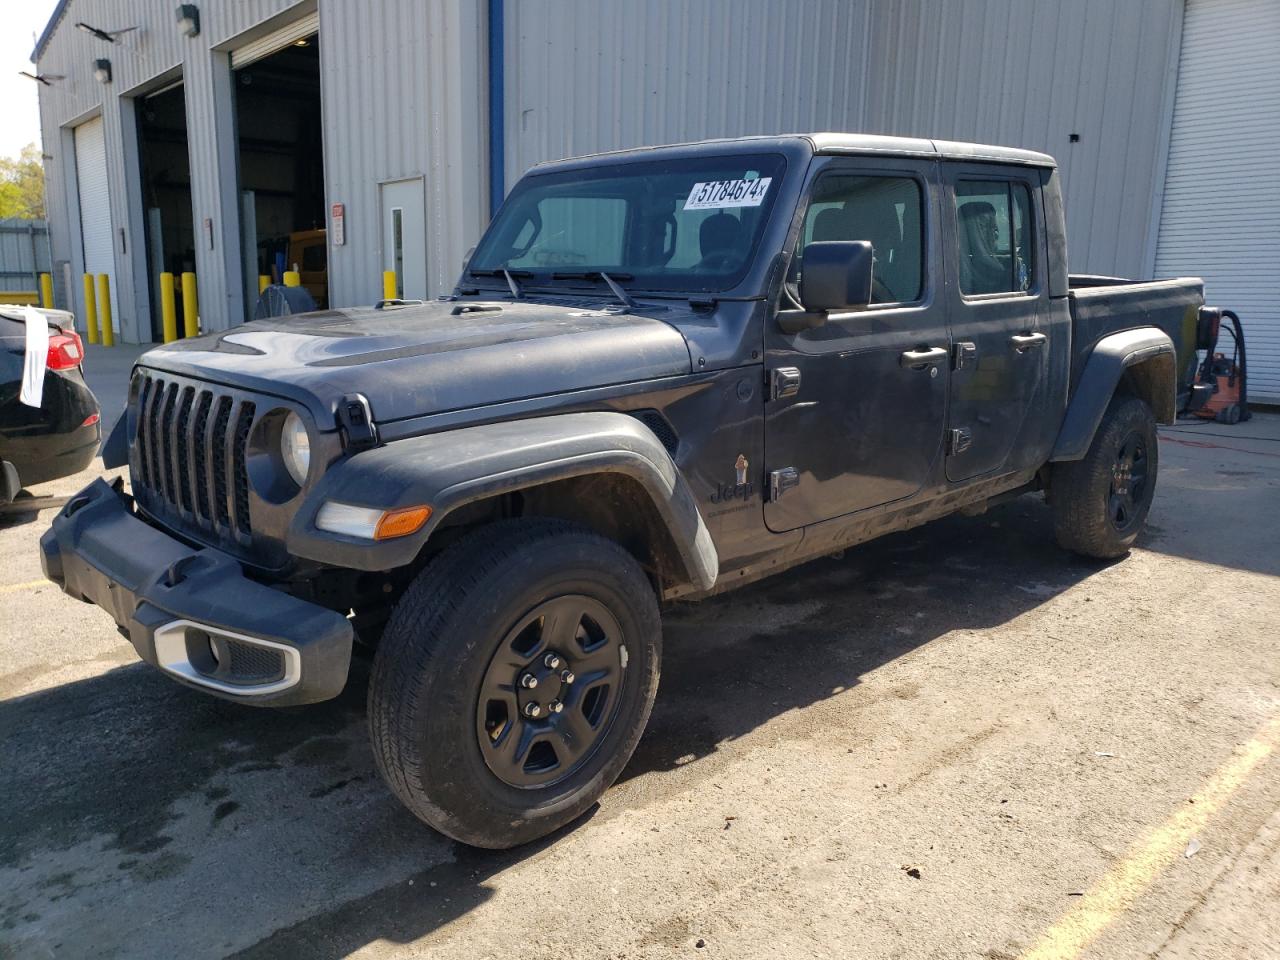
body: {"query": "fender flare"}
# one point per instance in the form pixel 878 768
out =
pixel 451 469
pixel 1110 358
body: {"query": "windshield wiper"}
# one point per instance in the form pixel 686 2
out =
pixel 508 275
pixel 612 281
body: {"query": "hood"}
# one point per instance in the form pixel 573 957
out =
pixel 432 357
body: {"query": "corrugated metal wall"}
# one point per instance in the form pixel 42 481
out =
pixel 588 75
pixel 404 95
pixel 24 254
pixel 1221 217
pixel 402 92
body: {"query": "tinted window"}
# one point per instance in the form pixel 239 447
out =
pixel 682 224
pixel 883 210
pixel 994 220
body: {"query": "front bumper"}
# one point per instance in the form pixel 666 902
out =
pixel 191 611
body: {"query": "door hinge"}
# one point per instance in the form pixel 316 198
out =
pixel 784 382
pixel 965 354
pixel 780 481
pixel 959 440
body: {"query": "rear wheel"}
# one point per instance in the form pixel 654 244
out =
pixel 514 680
pixel 1100 503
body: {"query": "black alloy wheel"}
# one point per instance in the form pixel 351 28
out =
pixel 1128 481
pixel 551 691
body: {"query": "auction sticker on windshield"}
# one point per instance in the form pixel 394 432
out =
pixel 719 194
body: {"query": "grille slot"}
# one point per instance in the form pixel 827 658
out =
pixel 191 455
pixel 182 435
pixel 222 511
pixel 238 466
pixel 253 664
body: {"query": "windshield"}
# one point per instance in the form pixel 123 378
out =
pixel 686 224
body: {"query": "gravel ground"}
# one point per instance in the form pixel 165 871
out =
pixel 954 742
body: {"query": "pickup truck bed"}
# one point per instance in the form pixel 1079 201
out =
pixel 1101 306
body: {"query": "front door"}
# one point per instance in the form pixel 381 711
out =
pixel 404 236
pixel 998 307
pixel 864 424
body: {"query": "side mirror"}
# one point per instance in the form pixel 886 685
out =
pixel 836 275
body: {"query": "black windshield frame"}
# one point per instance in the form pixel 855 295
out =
pixel 663 182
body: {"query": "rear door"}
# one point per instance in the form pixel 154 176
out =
pixel 860 421
pixel 998 308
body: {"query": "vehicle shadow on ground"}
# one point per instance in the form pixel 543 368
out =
pixel 269 833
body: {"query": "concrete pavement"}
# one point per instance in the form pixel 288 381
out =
pixel 953 742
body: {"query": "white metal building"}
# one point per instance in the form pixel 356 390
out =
pixel 396 125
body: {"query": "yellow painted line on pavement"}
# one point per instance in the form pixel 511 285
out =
pixel 19 587
pixel 1117 891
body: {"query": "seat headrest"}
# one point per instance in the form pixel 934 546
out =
pixel 719 233
pixel 976 208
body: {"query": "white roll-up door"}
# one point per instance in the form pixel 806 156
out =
pixel 95 209
pixel 275 40
pixel 1220 218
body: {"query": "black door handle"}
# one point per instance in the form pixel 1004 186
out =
pixel 924 357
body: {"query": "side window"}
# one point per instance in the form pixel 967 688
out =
pixel 884 210
pixel 994 219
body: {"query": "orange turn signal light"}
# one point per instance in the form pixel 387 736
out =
pixel 401 523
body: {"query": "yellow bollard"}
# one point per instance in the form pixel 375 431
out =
pixel 264 281
pixel 46 291
pixel 389 285
pixel 104 310
pixel 90 314
pixel 168 309
pixel 190 309
pixel 292 278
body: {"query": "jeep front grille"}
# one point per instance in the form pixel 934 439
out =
pixel 191 454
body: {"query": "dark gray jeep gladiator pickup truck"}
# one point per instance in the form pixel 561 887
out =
pixel 664 373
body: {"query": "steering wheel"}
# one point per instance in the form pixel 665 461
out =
pixel 718 261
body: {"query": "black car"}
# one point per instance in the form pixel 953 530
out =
pixel 60 437
pixel 664 373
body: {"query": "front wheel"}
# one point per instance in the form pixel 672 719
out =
pixel 514 680
pixel 1101 502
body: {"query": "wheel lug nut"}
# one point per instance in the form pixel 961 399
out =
pixel 551 660
pixel 528 681
pixel 555 706
pixel 532 710
pixel 567 677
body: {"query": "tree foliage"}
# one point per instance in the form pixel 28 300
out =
pixel 22 185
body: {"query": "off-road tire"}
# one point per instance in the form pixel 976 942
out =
pixel 1082 491
pixel 442 639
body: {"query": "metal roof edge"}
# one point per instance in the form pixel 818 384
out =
pixel 49 29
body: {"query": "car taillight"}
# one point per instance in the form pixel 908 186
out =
pixel 65 351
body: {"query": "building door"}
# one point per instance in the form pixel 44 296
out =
pixel 864 427
pixel 996 304
pixel 1220 216
pixel 404 236
pixel 95 208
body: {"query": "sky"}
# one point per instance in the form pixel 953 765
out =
pixel 19 110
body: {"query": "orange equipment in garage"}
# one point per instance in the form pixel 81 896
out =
pixel 1229 401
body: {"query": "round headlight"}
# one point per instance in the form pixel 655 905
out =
pixel 295 448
